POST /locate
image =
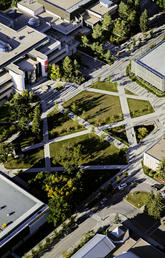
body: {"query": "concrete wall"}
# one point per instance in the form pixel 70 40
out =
pixel 150 162
pixel 56 10
pixel 29 11
pixel 18 80
pixel 147 75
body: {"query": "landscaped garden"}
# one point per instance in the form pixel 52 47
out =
pixel 119 133
pixel 92 150
pixel 59 125
pixel 96 108
pixel 32 158
pixel 141 131
pixel 137 198
pixel 139 107
pixel 107 85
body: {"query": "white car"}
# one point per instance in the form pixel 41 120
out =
pixel 122 186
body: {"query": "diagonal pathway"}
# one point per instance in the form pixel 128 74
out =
pixel 127 117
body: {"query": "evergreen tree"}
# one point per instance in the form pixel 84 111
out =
pixel 97 31
pixel 107 22
pixel 144 21
pixel 123 10
pixel 84 40
pixel 55 72
pixel 36 120
pixel 67 67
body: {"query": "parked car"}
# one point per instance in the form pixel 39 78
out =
pixel 122 186
pixel 157 187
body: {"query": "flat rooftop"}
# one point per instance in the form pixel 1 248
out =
pixel 21 42
pixel 98 8
pixel 154 60
pixel 68 5
pixel 13 199
pixel 158 150
pixel 91 19
pixel 144 249
pixel 32 5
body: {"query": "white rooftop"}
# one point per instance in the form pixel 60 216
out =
pixel 154 60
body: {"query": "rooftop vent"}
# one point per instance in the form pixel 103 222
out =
pixel 5 47
pixel 34 22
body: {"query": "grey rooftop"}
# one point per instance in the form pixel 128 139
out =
pixel 98 246
pixel 17 202
pixel 154 60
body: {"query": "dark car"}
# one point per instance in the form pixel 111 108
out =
pixel 157 186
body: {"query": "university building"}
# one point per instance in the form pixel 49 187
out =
pixel 21 216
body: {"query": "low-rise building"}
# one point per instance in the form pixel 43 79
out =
pixel 150 66
pixel 99 246
pixel 21 215
pixel 154 155
pixel 96 12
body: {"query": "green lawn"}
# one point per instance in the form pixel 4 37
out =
pixel 60 125
pixel 96 108
pixel 119 133
pixel 93 151
pixel 129 92
pixel 33 158
pixel 109 86
pixel 137 198
pixel 139 107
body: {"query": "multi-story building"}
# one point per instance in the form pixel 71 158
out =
pixel 150 66
pixel 21 216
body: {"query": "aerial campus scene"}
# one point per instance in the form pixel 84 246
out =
pixel 82 128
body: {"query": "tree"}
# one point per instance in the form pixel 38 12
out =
pixel 121 28
pixel 107 22
pixel 67 66
pixel 154 205
pixel 14 3
pixel 85 40
pixel 36 120
pixel 108 56
pixel 6 150
pixel 133 18
pixel 161 168
pixel 144 21
pixel 97 31
pixel 76 68
pixel 59 210
pixel 142 132
pixel 55 72
pixel 123 10
pixel 161 3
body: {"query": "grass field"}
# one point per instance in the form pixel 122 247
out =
pixel 60 125
pixel 137 198
pixel 109 86
pixel 139 107
pixel 129 92
pixel 96 108
pixel 33 158
pixel 93 151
